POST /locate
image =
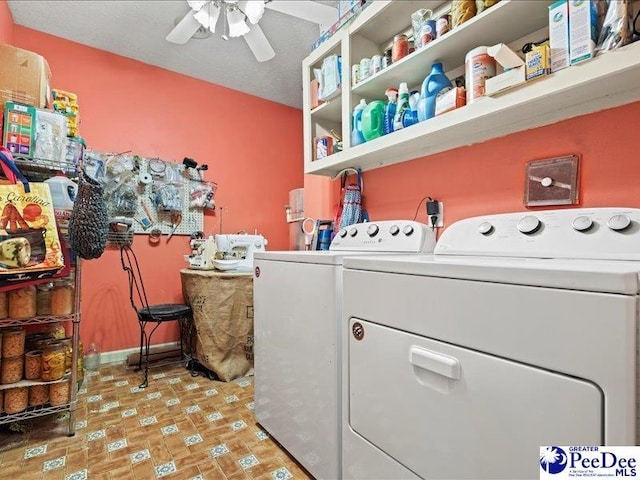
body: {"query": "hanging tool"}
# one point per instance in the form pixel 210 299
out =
pixel 176 220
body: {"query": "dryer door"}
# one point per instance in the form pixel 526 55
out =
pixel 458 413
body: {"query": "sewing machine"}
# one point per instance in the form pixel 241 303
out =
pixel 235 251
pixel 203 252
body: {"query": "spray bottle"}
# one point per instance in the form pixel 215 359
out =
pixel 356 128
pixel 390 109
pixel 403 104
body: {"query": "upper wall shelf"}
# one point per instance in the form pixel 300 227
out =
pixel 607 81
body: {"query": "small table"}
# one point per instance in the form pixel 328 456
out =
pixel 222 304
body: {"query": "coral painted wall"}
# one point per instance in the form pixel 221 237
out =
pixel 6 24
pixel 489 177
pixel 127 105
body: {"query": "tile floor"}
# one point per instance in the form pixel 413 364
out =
pixel 180 427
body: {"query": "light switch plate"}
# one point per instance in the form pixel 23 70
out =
pixel 552 181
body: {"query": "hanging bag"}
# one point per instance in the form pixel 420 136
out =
pixel 350 209
pixel 29 243
pixel 89 223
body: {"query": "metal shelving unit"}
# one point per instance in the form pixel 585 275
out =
pixel 38 170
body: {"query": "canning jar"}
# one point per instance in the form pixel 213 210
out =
pixel 59 393
pixel 62 296
pixel 53 359
pixel 11 369
pixel 22 302
pixel 33 365
pixel 56 331
pixel 68 352
pixel 16 399
pixel 12 342
pixel 38 395
pixel 43 299
pixel 400 48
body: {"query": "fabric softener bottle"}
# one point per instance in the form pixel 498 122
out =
pixel 403 104
pixel 356 129
pixel 390 109
pixel 435 82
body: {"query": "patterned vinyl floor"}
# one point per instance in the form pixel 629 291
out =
pixel 180 427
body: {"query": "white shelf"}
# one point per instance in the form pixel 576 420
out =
pixel 609 80
pixel 492 26
pixel 331 110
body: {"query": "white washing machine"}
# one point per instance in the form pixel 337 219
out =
pixel 297 313
pixel 520 331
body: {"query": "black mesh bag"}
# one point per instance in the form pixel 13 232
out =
pixel 88 225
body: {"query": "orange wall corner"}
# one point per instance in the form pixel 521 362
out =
pixel 7 26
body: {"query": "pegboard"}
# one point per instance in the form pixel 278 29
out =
pixel 100 166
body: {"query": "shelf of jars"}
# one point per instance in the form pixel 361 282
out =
pixel 38 411
pixel 43 319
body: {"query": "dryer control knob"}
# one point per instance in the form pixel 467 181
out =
pixel 353 231
pixel 372 230
pixel 258 243
pixel 394 230
pixel 529 224
pixel 582 223
pixel 485 228
pixel 342 232
pixel 407 230
pixel 619 222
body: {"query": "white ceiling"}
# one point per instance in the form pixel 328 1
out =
pixel 137 29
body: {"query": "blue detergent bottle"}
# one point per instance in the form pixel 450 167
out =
pixel 390 109
pixel 435 82
pixel 403 104
pixel 356 128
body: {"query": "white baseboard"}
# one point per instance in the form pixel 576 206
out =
pixel 120 356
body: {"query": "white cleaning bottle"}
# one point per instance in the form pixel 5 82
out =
pixel 403 104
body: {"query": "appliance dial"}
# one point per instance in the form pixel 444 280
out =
pixel 353 231
pixel 372 230
pixel 394 230
pixel 529 224
pixel 582 223
pixel 258 243
pixel 485 228
pixel 619 222
pixel 407 230
pixel 343 232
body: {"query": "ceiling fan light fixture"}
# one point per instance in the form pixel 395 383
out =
pixel 254 10
pixel 237 25
pixel 208 17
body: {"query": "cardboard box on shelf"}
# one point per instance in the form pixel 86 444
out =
pixel 24 77
pixel 514 70
pixel 19 130
pixel 583 31
pixel 559 35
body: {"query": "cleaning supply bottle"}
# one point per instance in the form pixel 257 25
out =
pixel 403 104
pixel 372 124
pixel 356 128
pixel 433 84
pixel 390 109
pixel 410 115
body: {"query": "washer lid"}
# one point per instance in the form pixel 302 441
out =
pixel 321 257
pixel 586 275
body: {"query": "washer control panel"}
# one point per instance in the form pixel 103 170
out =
pixel 385 236
pixel 594 233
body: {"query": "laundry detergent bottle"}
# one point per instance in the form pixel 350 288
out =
pixel 390 109
pixel 435 82
pixel 356 129
pixel 373 120
pixel 403 104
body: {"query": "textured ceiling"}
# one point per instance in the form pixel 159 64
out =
pixel 137 29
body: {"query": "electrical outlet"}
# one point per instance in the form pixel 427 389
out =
pixel 440 215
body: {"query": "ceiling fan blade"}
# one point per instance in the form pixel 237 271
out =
pixel 306 9
pixel 184 30
pixel 259 44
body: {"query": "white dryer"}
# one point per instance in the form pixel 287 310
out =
pixel 520 331
pixel 297 313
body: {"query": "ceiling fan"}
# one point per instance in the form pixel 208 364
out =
pixel 240 19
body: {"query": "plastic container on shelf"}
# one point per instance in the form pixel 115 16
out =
pixel 13 342
pixel 11 369
pixel 432 85
pixel 373 120
pixel 22 303
pixel 356 128
pixel 16 400
pixel 478 66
